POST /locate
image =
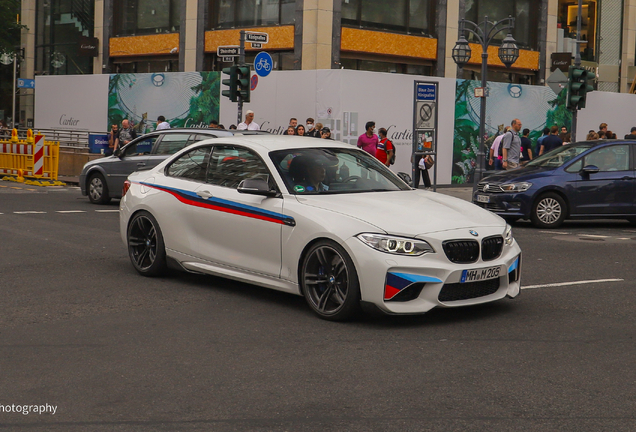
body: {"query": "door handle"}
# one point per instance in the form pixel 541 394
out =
pixel 141 164
pixel 204 194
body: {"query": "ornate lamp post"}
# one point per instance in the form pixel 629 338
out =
pixel 485 32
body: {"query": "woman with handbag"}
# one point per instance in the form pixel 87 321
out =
pixel 424 164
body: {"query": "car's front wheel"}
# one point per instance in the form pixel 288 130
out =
pixel 549 211
pixel 98 189
pixel 329 281
pixel 145 245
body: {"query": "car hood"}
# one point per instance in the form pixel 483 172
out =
pixel 518 175
pixel 100 161
pixel 406 213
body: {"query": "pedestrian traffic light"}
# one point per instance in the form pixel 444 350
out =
pixel 243 83
pixel 232 83
pixel 579 84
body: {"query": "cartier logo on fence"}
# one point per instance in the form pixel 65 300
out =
pixel 88 46
pixel 68 121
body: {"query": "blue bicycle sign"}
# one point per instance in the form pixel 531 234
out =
pixel 263 64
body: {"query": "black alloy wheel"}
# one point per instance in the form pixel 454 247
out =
pixel 98 189
pixel 549 211
pixel 329 282
pixel 145 245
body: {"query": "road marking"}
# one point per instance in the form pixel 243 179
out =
pixel 555 232
pixel 107 211
pixel 29 212
pixel 592 235
pixel 624 238
pixel 572 283
pixel 70 211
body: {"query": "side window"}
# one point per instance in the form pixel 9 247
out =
pixel 230 165
pixel 140 147
pixel 614 158
pixel 192 165
pixel 200 137
pixel 171 143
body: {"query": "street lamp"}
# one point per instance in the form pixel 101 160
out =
pixel 485 32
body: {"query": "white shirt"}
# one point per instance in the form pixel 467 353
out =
pixel 163 125
pixel 251 126
pixel 495 145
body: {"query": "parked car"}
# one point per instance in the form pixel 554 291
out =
pixel 317 218
pixel 589 179
pixel 103 179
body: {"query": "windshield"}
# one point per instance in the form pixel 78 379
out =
pixel 559 156
pixel 333 170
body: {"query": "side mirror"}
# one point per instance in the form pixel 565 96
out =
pixel 256 186
pixel 590 169
pixel 118 153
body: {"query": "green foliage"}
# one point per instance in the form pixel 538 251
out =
pixel 559 114
pixel 465 138
pixel 205 107
pixel 10 28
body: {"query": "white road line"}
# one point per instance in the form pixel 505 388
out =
pixel 70 211
pixel 555 232
pixel 624 238
pixel 107 211
pixel 571 283
pixel 29 212
pixel 592 235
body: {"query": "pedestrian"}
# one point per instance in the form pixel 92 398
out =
pixel 290 131
pixel 610 135
pixel 602 128
pixel 511 146
pixel 126 134
pixel 232 127
pixel 223 127
pixel 565 135
pixel 424 163
pixel 368 141
pixel 249 123
pixel 325 133
pixel 300 130
pixel 551 142
pixel 546 132
pixel 214 124
pixel 318 130
pixel 526 146
pixel 591 136
pixel 496 154
pixel 113 140
pixel 632 134
pixel 310 130
pixel 162 123
pixel 385 149
pixel 293 122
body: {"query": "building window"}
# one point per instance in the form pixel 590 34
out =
pixel 525 12
pixel 404 16
pixel 142 17
pixel 566 36
pixel 251 13
pixel 388 67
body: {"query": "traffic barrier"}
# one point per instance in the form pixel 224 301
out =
pixel 31 161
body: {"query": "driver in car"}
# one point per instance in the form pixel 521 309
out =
pixel 315 176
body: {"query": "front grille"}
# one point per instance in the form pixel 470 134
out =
pixel 491 248
pixel 466 291
pixel 461 251
pixel 489 187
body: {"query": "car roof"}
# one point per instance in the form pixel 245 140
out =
pixel 600 142
pixel 218 132
pixel 271 142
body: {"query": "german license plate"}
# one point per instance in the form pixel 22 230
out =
pixel 483 198
pixel 480 274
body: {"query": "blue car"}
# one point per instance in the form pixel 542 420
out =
pixel 589 179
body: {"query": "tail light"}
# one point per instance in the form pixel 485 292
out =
pixel 125 188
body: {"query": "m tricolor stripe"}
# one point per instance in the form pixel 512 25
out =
pixel 225 206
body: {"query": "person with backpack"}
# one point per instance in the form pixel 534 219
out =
pixel 496 151
pixel 385 150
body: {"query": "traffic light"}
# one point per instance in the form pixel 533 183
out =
pixel 232 92
pixel 243 80
pixel 579 84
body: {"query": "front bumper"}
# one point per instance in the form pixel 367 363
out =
pixel 505 204
pixel 432 280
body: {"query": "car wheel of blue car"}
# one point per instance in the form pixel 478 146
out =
pixel 549 211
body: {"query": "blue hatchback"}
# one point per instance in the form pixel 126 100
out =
pixel 589 179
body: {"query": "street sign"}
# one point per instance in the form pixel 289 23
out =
pixel 228 51
pixel 426 92
pixel 426 115
pixel 227 59
pixel 26 83
pixel 557 81
pixel 257 45
pixel 256 37
pixel 263 64
pixel 253 82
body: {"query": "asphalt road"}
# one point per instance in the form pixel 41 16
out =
pixel 111 350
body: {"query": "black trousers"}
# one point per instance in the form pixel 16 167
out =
pixel 425 178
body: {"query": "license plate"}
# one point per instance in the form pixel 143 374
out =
pixel 483 198
pixel 480 274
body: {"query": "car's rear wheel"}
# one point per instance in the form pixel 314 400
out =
pixel 145 245
pixel 549 211
pixel 329 282
pixel 98 189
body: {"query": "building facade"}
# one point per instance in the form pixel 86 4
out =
pixel 402 36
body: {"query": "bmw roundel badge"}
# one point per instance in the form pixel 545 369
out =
pixel 473 232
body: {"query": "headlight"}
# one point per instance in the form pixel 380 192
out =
pixel 508 238
pixel 516 187
pixel 396 245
